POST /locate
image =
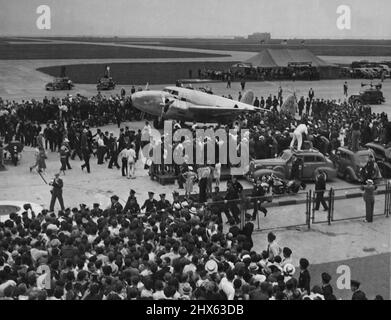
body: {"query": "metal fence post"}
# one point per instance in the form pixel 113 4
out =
pixel 312 207
pixel 308 213
pixel 331 204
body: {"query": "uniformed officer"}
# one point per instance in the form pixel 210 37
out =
pixel 176 204
pixel 258 194
pixel 357 293
pixel 131 199
pixel 163 203
pixel 116 205
pixel 149 204
pixel 56 192
pixel 96 211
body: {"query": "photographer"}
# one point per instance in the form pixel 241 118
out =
pixel 56 192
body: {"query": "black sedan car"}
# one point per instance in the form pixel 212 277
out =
pixel 382 156
pixel 63 83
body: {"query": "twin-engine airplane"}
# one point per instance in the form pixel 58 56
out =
pixel 177 103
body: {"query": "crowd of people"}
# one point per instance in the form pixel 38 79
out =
pixel 160 250
pixel 262 74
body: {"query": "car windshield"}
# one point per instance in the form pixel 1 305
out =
pixel 286 155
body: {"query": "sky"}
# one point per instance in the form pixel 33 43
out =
pixel 203 18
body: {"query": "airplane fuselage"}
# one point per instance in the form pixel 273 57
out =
pixel 188 105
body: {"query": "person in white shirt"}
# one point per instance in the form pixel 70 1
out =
pixel 298 135
pixel 131 162
pixel 226 285
pixel 146 134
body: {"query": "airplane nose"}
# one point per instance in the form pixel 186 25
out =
pixel 147 101
pixel 137 98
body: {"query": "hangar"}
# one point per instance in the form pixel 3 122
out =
pixel 284 62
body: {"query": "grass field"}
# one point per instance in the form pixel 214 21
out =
pixel 326 49
pixel 323 47
pixel 87 51
pixel 135 73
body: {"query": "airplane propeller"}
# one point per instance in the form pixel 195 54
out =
pixel 166 103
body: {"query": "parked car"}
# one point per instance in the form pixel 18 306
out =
pixel 313 161
pixel 349 163
pixel 62 83
pixel 369 96
pixel 382 156
pixel 105 84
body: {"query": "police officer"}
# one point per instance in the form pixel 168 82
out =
pixel 320 187
pixel 217 206
pixel 357 293
pixel 163 203
pixel 371 170
pixel 369 199
pixel 258 194
pixel 149 204
pixel 56 192
pixel 297 168
pixel 115 205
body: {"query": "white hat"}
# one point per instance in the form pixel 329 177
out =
pixel 193 210
pixel 211 266
pixel 246 256
pixel 259 277
pixel 289 269
pixel 184 204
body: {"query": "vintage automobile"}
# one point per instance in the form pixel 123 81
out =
pixel 105 84
pixel 368 96
pixel 349 163
pixel 382 156
pixel 62 83
pixel 313 161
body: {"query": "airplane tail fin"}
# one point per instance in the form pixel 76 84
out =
pixel 248 98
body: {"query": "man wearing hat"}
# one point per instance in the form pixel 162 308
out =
pixel 149 204
pixel 357 293
pixel 116 205
pixel 56 192
pixel 327 289
pixel 176 204
pixel 131 203
pixel 258 195
pixel 96 211
pixel 86 150
pixel 369 199
pixel 163 203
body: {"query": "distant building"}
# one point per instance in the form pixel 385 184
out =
pixel 260 36
pixel 239 38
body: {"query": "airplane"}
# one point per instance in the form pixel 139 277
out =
pixel 189 105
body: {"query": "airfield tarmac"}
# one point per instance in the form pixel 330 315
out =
pixel 365 248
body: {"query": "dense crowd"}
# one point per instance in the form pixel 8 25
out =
pixel 172 251
pixel 160 250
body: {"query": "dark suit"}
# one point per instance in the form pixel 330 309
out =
pixel 117 207
pixel 359 295
pixel 149 205
pixel 320 187
pixel 163 205
pixel 305 280
pixel 258 192
pixel 57 194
